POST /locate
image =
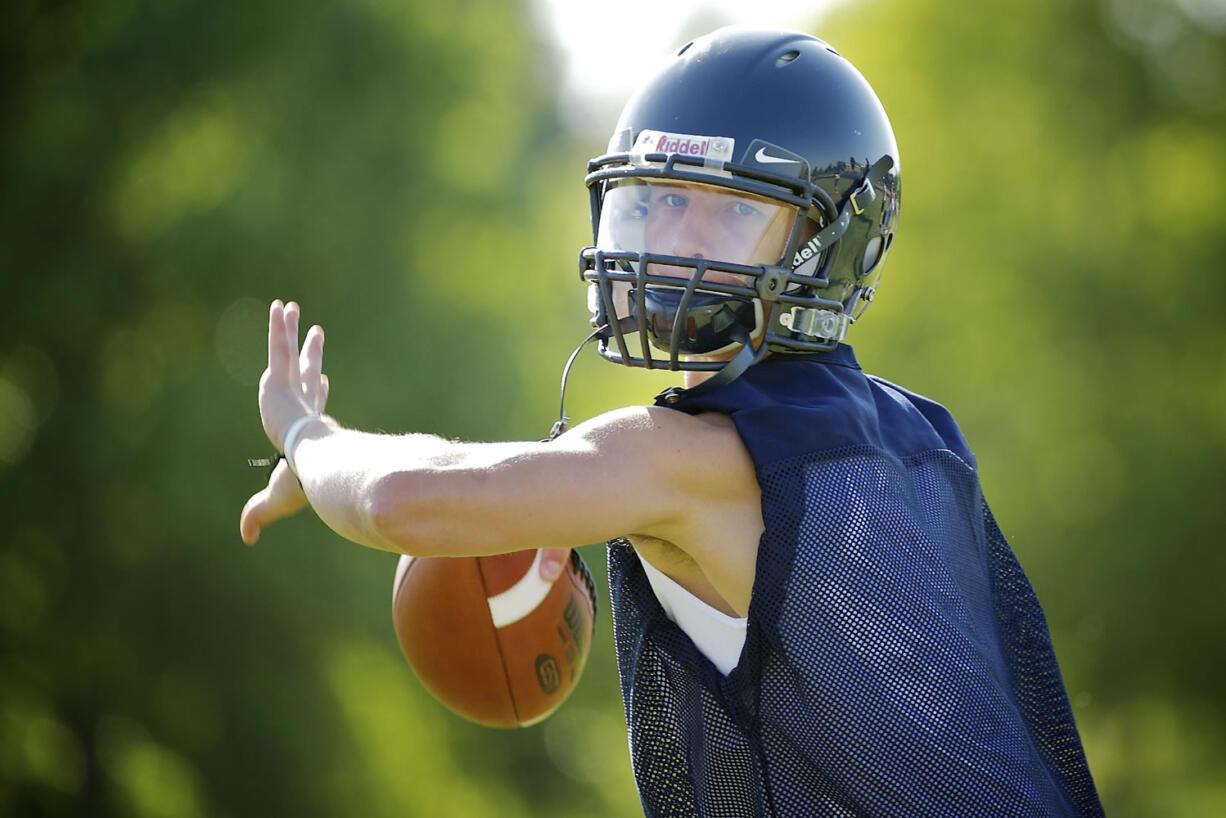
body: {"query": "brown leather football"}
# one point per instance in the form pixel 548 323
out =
pixel 489 638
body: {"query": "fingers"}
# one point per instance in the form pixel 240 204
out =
pixel 292 314
pixel 293 383
pixel 553 562
pixel 286 365
pixel 278 355
pixel 321 403
pixel 310 366
pixel 283 342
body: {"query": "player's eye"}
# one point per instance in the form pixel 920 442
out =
pixel 745 210
pixel 673 200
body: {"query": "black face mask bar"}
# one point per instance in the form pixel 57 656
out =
pixel 689 315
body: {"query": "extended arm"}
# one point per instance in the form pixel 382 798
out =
pixel 642 470
pixel 427 496
pixel 423 495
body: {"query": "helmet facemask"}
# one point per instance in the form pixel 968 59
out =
pixel 688 250
pixel 678 262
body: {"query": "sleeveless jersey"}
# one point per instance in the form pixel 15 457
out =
pixel 896 661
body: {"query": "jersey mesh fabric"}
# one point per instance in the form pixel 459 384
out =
pixel 897 661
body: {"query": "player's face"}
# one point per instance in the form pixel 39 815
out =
pixel 695 221
pixel 708 223
pixel 691 222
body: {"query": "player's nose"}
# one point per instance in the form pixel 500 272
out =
pixel 694 238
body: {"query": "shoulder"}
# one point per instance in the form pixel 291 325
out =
pixel 635 426
pixel 894 400
pixel 695 458
pixel 665 437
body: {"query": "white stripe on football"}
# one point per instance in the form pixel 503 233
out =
pixel 520 599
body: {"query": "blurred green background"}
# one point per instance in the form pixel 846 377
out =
pixel 405 171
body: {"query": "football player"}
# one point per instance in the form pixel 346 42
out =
pixel 814 610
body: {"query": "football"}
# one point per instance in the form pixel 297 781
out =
pixel 489 638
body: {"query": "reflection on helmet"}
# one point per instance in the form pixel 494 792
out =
pixel 756 167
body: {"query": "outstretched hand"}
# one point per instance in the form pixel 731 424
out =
pixel 293 385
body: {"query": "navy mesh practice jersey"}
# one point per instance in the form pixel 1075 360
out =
pixel 897 662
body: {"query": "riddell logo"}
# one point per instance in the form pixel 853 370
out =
pixel 681 144
pixel 711 148
pixel 810 249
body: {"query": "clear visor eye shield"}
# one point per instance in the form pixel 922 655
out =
pixel 688 250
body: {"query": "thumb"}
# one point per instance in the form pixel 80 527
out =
pixel 252 518
pixel 553 562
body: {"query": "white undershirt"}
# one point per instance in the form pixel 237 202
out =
pixel 717 636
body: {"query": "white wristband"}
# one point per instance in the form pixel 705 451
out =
pixel 291 438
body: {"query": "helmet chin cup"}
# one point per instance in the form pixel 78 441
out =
pixel 707 326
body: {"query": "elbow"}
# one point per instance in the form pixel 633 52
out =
pixel 402 516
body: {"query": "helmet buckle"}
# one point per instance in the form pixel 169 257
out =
pixel 824 324
pixel 865 190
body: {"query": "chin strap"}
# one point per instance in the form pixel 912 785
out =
pixel 731 371
pixel 563 422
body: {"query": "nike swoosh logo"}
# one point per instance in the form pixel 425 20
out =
pixel 764 157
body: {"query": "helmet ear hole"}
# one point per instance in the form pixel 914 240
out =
pixel 872 253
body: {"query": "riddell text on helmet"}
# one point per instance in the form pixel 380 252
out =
pixel 682 145
pixel 716 148
pixel 811 248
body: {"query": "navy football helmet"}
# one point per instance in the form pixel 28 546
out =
pixel 747 202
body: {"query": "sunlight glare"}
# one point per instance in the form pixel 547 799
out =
pixel 607 49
